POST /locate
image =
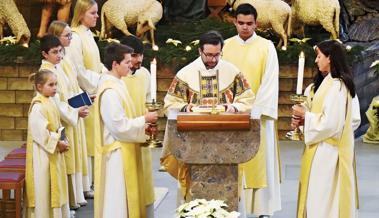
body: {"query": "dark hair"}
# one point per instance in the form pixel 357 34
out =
pixel 211 37
pixel 40 77
pixel 338 64
pixel 246 9
pixel 115 52
pixel 48 42
pixel 133 42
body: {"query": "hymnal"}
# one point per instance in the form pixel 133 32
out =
pixel 80 100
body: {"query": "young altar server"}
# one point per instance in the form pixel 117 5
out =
pixel 53 52
pixel 46 179
pixel 257 59
pixel 119 179
pixel 328 185
pixel 85 55
pixel 138 84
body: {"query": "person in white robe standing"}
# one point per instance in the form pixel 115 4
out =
pixel 256 57
pixel 328 186
pixel 119 179
pixel 46 179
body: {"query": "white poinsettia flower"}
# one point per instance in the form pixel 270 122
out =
pixel 375 63
pixel 196 211
pixel 9 40
pixel 173 41
pixel 348 48
pixel 216 204
pixel 195 42
pixel 182 207
pixel 188 48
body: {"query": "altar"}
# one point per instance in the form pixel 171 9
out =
pixel 213 154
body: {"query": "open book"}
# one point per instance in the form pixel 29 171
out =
pixel 80 100
pixel 208 108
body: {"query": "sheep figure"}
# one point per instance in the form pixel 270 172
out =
pixel 316 12
pixel 275 14
pixel 9 14
pixel 143 14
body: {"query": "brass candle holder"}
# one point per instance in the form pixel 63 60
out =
pixel 296 134
pixel 153 142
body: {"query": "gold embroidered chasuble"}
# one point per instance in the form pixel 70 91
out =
pixel 186 89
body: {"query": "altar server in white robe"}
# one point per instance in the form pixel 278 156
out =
pixel 257 59
pixel 138 84
pixel 53 52
pixel 233 92
pixel 85 55
pixel 119 179
pixel 328 186
pixel 46 179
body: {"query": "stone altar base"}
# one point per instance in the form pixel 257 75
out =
pixel 212 156
pixel 213 181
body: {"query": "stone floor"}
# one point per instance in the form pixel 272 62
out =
pixel 367 170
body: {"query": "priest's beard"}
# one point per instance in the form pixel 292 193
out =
pixel 210 64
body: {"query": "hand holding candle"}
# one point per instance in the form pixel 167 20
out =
pixel 300 74
pixel 153 80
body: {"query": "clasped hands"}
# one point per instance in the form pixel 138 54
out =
pixel 298 114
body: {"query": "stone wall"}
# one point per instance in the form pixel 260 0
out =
pixel 16 93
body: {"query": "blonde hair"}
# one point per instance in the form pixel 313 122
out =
pixel 56 27
pixel 40 77
pixel 81 8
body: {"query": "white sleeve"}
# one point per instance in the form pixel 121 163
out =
pixel 41 135
pixel 330 122
pixel 68 114
pixel 355 113
pixel 88 80
pixel 266 98
pixel 115 120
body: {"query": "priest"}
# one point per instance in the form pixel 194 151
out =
pixel 207 81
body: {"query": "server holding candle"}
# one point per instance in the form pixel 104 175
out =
pixel 140 86
pixel 327 180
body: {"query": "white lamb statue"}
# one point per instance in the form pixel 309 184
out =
pixel 275 14
pixel 316 12
pixel 123 13
pixel 10 15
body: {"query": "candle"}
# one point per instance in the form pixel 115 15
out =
pixel 153 80
pixel 300 74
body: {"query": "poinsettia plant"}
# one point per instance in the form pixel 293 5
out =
pixel 201 208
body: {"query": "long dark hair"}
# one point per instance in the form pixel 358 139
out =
pixel 338 64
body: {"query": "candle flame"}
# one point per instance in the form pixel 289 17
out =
pixel 155 48
pixel 154 61
pixel 302 55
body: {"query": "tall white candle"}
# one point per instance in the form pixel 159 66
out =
pixel 300 74
pixel 153 80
